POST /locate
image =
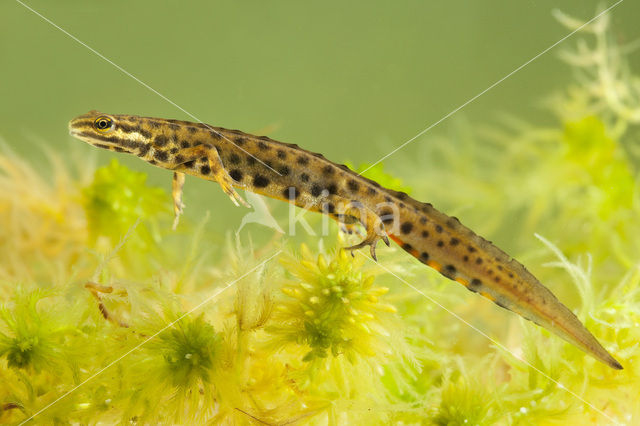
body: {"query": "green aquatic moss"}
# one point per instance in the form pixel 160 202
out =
pixel 118 197
pixel 32 337
pixel 189 351
pixel 332 307
pixel 463 403
pixel 377 173
pixel 592 151
pixel 286 333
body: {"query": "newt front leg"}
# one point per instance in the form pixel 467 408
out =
pixel 176 193
pixel 215 169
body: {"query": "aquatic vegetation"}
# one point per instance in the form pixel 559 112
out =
pixel 333 308
pixel 299 333
pixel 117 197
pixel 376 172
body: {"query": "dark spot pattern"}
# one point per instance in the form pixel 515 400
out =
pixel 291 193
pixel 424 255
pixel 160 155
pixel 406 227
pixel 454 241
pixel 407 246
pixel 234 159
pixel 205 170
pixel 449 271
pixel 263 146
pixel 281 154
pixel 327 170
pixel 260 181
pixel 160 141
pixel 440 243
pixel 302 160
pixel 353 185
pixel 144 149
pixel 425 234
pixel 236 175
pixel 316 190
pixel 304 177
pixel 439 229
pixel 284 170
pixel 386 216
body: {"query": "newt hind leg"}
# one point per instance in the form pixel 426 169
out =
pixel 374 228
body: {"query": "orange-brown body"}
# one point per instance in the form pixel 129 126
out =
pixel 290 173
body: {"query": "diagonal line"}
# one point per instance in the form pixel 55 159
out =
pixel 124 71
pixel 495 342
pixel 204 302
pixel 494 85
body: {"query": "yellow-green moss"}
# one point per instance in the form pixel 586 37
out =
pixel 316 336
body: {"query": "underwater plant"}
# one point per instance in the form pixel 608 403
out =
pixel 297 332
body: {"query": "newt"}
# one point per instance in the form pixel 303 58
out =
pixel 235 159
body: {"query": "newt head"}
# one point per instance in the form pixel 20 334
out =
pixel 112 132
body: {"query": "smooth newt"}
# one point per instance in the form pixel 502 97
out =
pixel 287 172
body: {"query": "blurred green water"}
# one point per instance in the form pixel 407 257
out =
pixel 351 80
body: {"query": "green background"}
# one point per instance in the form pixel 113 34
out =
pixel 352 80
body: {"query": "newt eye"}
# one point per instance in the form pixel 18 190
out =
pixel 103 124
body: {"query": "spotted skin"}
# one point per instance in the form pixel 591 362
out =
pixel 286 172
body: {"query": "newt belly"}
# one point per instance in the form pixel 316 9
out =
pixel 287 172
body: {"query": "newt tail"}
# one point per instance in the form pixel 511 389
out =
pixel 235 159
pixel 461 255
